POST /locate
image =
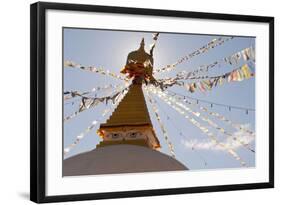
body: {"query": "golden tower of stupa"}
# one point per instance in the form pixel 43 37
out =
pixel 129 143
pixel 130 122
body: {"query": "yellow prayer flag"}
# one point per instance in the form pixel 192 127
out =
pixel 246 71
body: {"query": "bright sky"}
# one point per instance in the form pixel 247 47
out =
pixel 109 50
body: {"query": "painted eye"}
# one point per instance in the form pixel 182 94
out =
pixel 115 135
pixel 133 135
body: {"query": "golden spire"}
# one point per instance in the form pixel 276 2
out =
pixel 130 122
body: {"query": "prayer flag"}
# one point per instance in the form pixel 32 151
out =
pixel 246 71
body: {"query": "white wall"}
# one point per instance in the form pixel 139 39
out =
pixel 14 103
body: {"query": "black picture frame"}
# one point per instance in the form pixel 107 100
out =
pixel 38 100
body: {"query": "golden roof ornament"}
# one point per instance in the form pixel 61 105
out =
pixel 139 64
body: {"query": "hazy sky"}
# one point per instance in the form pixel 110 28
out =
pixel 109 50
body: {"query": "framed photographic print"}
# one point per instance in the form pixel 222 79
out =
pixel 129 102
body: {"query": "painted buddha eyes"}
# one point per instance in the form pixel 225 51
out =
pixel 115 135
pixel 133 134
pixel 128 135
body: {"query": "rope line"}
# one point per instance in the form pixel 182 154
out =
pixel 210 45
pixel 213 103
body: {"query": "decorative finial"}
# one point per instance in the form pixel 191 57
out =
pixel 142 43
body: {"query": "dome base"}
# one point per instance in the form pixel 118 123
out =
pixel 116 159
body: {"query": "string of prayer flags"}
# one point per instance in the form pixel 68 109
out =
pixel 246 71
pixel 215 114
pixel 93 69
pixel 82 134
pixel 207 120
pixel 233 59
pixel 208 82
pixel 184 97
pixel 210 45
pixel 240 76
pixel 165 133
pixel 72 94
pixel 87 102
pixel 95 122
pixel 213 124
pixel 84 105
pixel 205 130
pixel 80 137
pixel 157 105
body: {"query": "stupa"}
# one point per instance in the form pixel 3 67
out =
pixel 129 143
